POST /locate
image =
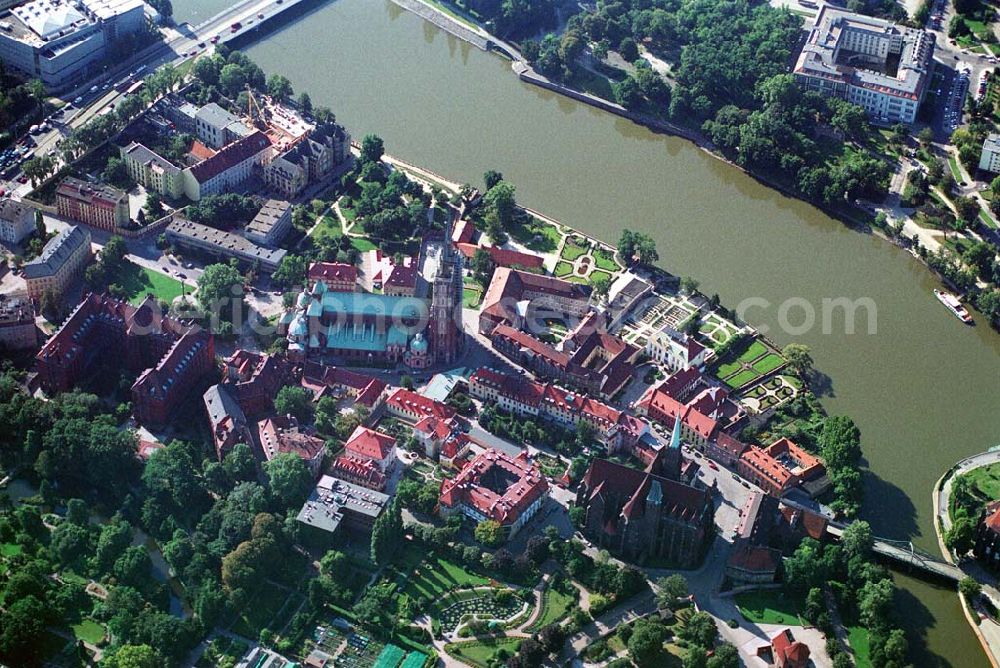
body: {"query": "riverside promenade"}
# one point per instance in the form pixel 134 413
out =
pixel 985 628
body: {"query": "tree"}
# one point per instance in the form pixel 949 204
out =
pixel 875 602
pixel 305 103
pixel 688 285
pixel 500 198
pixel 671 588
pixel 295 401
pixel 291 272
pixel 217 289
pixel 482 266
pixel 840 442
pixel 289 479
pixel 279 87
pixel 489 533
pixel 726 656
pixel 491 178
pixel 372 148
pixel 700 630
pixel 133 656
pixel 21 625
pixel 387 534
pixel 240 464
pixel 970 588
pixel 799 359
pixel 961 536
pixel 601 285
pixel 628 50
pixel 645 645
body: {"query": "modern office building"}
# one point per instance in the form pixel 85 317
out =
pixel 221 244
pixel 62 261
pixel 989 161
pixel 271 224
pixel 101 206
pixel 879 65
pixel 64 42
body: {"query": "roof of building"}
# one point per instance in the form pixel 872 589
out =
pixel 503 257
pixel 230 156
pixel 272 213
pixel 90 193
pixel 14 210
pixel 49 19
pixel 755 559
pixel 353 468
pixel 158 380
pixel 408 401
pixel 788 651
pixel 137 151
pixel 679 500
pixel 333 497
pixel 214 115
pixel 57 251
pixel 281 434
pixel 337 272
pixel 509 286
pixel 497 485
pixel 366 443
pixel 824 54
pixel 235 244
pixel 16 310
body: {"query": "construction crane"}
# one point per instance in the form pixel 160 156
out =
pixel 257 115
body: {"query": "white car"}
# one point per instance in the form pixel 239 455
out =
pixel 78 100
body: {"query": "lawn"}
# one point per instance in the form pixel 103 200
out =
pixel 89 631
pixel 555 606
pixel 955 171
pixel 471 297
pixel 986 480
pixel 987 220
pixel 755 350
pixel 362 245
pixel 768 363
pixel 434 576
pixel 536 235
pixel 572 250
pixel 857 638
pixel 137 281
pixel 742 378
pixel 269 599
pixel 479 652
pixel 328 229
pixel 597 273
pixel 605 259
pixel 9 549
pixel 563 269
pixel 769 606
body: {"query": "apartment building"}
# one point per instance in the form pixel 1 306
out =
pixel 153 171
pixel 17 221
pixel 98 205
pixel 217 127
pixel 60 263
pixel 17 323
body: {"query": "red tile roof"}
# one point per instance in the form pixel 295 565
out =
pixel 788 652
pixel 336 272
pixel 281 434
pixel 230 156
pixel 409 402
pixel 463 233
pixel 367 443
pixel 503 257
pixel 476 486
pixel 364 472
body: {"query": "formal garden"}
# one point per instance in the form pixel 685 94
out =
pixel 582 260
pixel 754 361
pixel 771 393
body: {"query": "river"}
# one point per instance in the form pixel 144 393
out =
pixel 924 389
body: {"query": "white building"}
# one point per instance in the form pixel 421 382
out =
pixel 989 161
pixel 675 350
pixel 882 67
pixel 229 168
pixel 271 224
pixel 17 221
pixel 64 42
pixel 217 127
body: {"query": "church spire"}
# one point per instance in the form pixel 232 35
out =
pixel 675 438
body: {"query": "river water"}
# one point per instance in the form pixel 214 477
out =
pixel 923 388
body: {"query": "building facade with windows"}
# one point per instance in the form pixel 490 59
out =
pixel 17 221
pixel 61 262
pixel 878 65
pixel 98 205
pixel 153 171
